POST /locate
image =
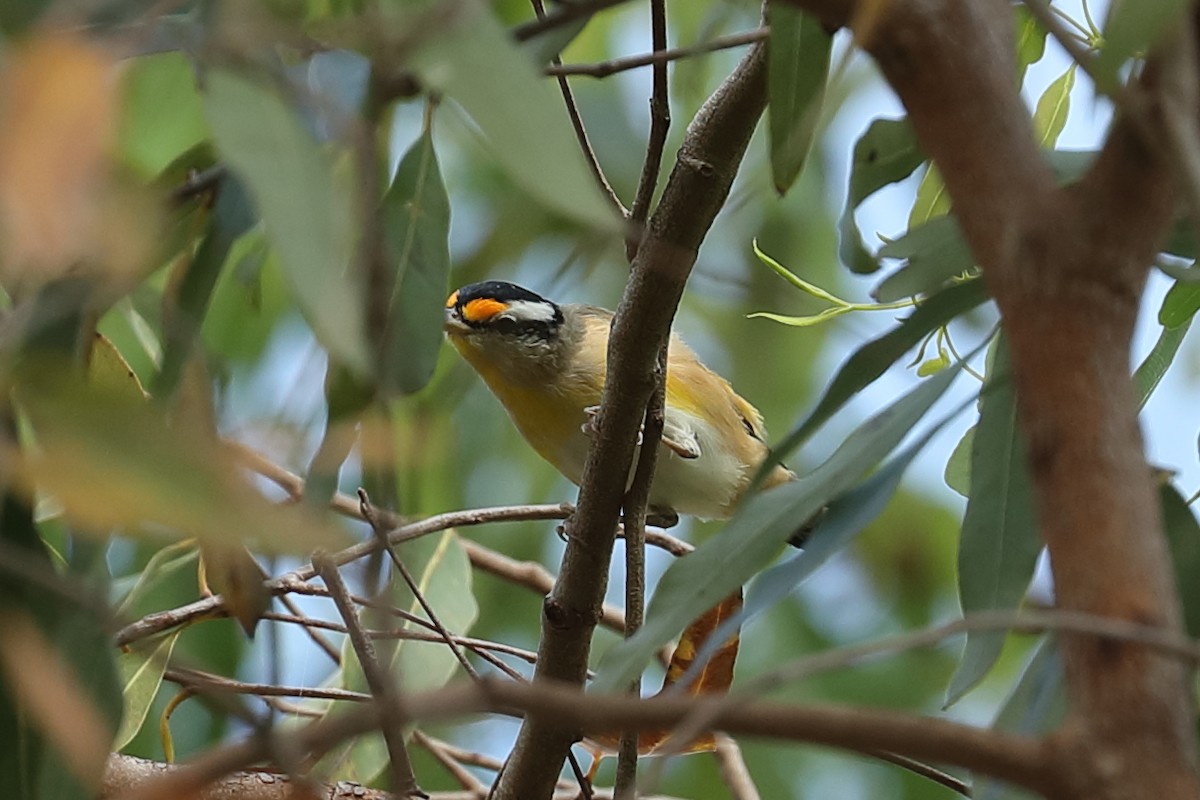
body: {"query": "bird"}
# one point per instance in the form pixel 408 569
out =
pixel 546 364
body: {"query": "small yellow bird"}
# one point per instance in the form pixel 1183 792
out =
pixel 546 363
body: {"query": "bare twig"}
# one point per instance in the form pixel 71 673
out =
pixel 368 513
pixel 447 759
pixel 603 69
pixel 733 769
pixel 197 183
pixel 581 134
pixel 197 680
pixel 925 771
pixel 310 629
pixel 660 125
pixel 380 683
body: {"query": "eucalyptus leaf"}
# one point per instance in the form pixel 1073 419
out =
pixel 306 207
pixel 886 153
pixel 474 62
pixel 142 667
pixel 1000 542
pixel 1180 304
pixel 417 232
pixel 797 68
pixel 760 527
pixel 935 253
pixel 1053 107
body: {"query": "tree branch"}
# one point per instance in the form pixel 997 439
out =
pixel 700 182
pixel 1067 268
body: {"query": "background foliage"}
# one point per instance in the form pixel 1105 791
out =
pixel 261 207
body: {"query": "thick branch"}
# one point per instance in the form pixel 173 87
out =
pixel 1067 268
pixel 700 182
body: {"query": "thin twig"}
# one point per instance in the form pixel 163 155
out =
pixel 733 769
pixel 581 134
pixel 368 513
pixel 660 125
pixel 603 69
pixel 439 751
pixel 310 629
pixel 196 680
pixel 197 183
pixel 926 771
pixel 404 783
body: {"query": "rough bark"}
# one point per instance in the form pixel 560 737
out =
pixel 1067 267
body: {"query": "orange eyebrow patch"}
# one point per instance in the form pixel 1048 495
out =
pixel 452 300
pixel 482 309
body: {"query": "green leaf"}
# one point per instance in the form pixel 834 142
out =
pixel 307 209
pixel 1031 40
pixel 1053 107
pixel 231 217
pixel 758 529
pixel 164 566
pixel 886 153
pixel 162 115
pixel 1152 369
pixel 1183 537
pixel 1180 305
pixel 842 521
pixel 142 667
pixel 1037 705
pixel 1000 542
pixel 797 68
pixel 1132 28
pixel 442 571
pixel 473 61
pixel 543 47
pixel 958 466
pixel 936 252
pixel 417 231
pixel 872 359
pixel 932 201
pixel 114 462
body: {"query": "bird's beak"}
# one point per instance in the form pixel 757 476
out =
pixel 452 324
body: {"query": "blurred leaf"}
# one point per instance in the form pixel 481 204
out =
pixel 1180 304
pixel 187 300
pixel 873 358
pixel 1031 40
pixel 108 370
pixel 474 62
pixel 1132 28
pixel 18 15
pixel 232 572
pixel 1183 537
pixel 248 302
pixel 116 463
pixel 932 201
pixel 543 47
pixel 1152 369
pixel 442 571
pixel 57 122
pixel 958 466
pixel 936 252
pixel 1000 540
pixel 307 209
pixel 1053 107
pixel 163 567
pixel 417 229
pixel 797 67
pixel 1036 706
pixel 759 528
pixel 886 153
pixel 162 115
pixel 141 667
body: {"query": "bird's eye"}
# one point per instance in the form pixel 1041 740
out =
pixel 505 325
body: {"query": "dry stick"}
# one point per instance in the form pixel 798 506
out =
pixel 634 525
pixel 581 134
pixel 696 191
pixel 368 513
pixel 733 769
pixel 390 721
pixel 924 770
pixel 660 125
pixel 451 764
pixel 197 680
pixel 603 69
